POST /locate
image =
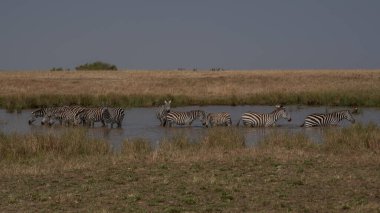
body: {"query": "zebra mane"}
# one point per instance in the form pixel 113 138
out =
pixel 278 108
pixel 341 112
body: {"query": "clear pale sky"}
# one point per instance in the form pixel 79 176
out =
pixel 168 34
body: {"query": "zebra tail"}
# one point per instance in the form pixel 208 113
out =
pixel 302 125
pixel 238 122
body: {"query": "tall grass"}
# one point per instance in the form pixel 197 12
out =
pixel 19 102
pixel 355 139
pixel 288 141
pixel 216 143
pixel 133 88
pixel 71 144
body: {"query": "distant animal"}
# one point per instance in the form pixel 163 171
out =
pixel 185 118
pixel 253 119
pixel 162 111
pixel 330 119
pixel 218 119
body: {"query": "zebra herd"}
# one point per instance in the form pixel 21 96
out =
pixel 76 115
pixel 249 119
pixel 79 115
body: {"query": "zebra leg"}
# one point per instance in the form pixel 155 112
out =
pixel 169 123
pixel 229 122
pixel 103 124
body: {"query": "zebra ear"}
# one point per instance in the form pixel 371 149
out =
pixel 166 102
pixel 170 101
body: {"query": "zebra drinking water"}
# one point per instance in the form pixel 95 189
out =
pixel 253 119
pixel 162 111
pixel 42 112
pixel 185 118
pixel 65 115
pixel 218 119
pixel 330 119
pixel 116 116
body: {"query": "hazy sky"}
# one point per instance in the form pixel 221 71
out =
pixel 167 34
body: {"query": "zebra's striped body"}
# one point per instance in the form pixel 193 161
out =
pixel 185 118
pixel 116 116
pixel 331 119
pixel 162 111
pixel 97 114
pixel 218 119
pixel 66 115
pixel 252 119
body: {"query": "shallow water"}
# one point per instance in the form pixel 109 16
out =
pixel 142 123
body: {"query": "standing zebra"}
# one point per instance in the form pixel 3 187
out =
pixel 116 116
pixel 162 111
pixel 218 119
pixel 331 119
pixel 185 118
pixel 253 119
pixel 97 114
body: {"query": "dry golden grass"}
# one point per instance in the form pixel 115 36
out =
pixel 218 173
pixel 189 83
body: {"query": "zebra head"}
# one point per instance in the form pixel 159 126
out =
pixel 77 120
pixel 47 118
pixel 201 115
pixel 208 120
pixel 282 113
pixel 167 106
pixel 106 115
pixel 35 114
pixel 347 115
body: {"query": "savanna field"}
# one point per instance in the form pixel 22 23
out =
pixel 217 173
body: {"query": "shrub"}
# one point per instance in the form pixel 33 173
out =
pixel 56 69
pixel 97 65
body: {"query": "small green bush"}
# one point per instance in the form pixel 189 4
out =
pixel 97 65
pixel 56 69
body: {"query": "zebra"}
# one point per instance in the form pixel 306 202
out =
pixel 330 119
pixel 41 113
pixel 185 118
pixel 218 119
pixel 97 114
pixel 162 111
pixel 253 119
pixel 66 115
pixel 116 116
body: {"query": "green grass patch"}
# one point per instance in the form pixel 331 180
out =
pixel 331 98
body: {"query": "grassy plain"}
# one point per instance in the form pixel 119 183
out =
pixel 148 88
pixel 216 174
